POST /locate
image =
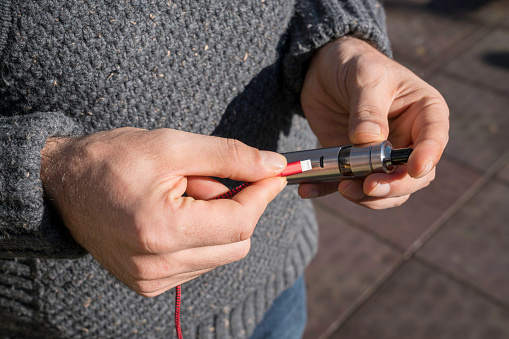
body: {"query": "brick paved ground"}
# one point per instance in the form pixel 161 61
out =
pixel 438 266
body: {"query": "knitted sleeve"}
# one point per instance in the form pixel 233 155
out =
pixel 317 22
pixel 28 226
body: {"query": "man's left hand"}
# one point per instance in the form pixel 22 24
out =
pixel 353 94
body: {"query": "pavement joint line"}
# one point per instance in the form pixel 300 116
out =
pixel 457 205
pixel 459 48
pixel 463 282
pixel 362 299
pixel 410 253
pixel 358 226
pixel 474 83
pixel 501 181
pixel 462 163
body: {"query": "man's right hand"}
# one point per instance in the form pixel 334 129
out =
pixel 120 194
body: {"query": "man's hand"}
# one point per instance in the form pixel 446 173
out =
pixel 121 195
pixel 354 94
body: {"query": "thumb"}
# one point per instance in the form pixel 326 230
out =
pixel 203 155
pixel 370 105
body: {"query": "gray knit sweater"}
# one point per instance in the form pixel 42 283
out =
pixel 225 68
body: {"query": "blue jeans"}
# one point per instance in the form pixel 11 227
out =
pixel 286 318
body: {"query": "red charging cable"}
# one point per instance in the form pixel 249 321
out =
pixel 178 292
pixel 291 169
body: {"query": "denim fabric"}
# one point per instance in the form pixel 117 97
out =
pixel 286 318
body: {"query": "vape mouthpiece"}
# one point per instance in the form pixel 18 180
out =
pixel 400 156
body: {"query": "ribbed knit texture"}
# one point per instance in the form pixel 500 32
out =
pixel 210 67
pixel 5 22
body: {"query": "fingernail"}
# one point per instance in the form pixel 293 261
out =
pixel 381 189
pixel 313 193
pixel 273 160
pixel 426 170
pixel 353 190
pixel 283 185
pixel 368 128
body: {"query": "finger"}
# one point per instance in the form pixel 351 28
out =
pixel 310 191
pixel 204 188
pixel 201 155
pixel 382 203
pixel 167 265
pixel 431 129
pixel 420 119
pixel 351 189
pixel 157 274
pixel 396 184
pixel 371 98
pixel 153 288
pixel 216 222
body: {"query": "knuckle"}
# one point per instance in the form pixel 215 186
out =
pixel 150 269
pixel 243 251
pixel 91 148
pixel 247 231
pixel 228 150
pixel 144 237
pixel 434 95
pixel 242 228
pixel 370 74
pixel 233 151
pixel 246 227
pixel 240 253
pixel 141 270
pixel 152 237
pixel 147 288
pixel 368 110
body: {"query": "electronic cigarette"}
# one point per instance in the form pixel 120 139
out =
pixel 343 162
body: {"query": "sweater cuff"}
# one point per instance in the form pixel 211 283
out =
pixel 318 22
pixel 28 226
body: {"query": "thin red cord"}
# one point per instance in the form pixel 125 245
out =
pixel 291 169
pixel 177 312
pixel 178 291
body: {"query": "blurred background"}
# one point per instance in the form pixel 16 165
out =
pixel 438 266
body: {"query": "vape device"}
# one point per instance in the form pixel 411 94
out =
pixel 343 162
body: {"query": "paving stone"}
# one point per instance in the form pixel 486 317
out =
pixel 505 22
pixel 483 11
pixel 420 303
pixel 347 263
pixel 479 122
pixel 492 12
pixel 403 225
pixel 474 244
pixel 419 35
pixel 504 174
pixel 487 62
